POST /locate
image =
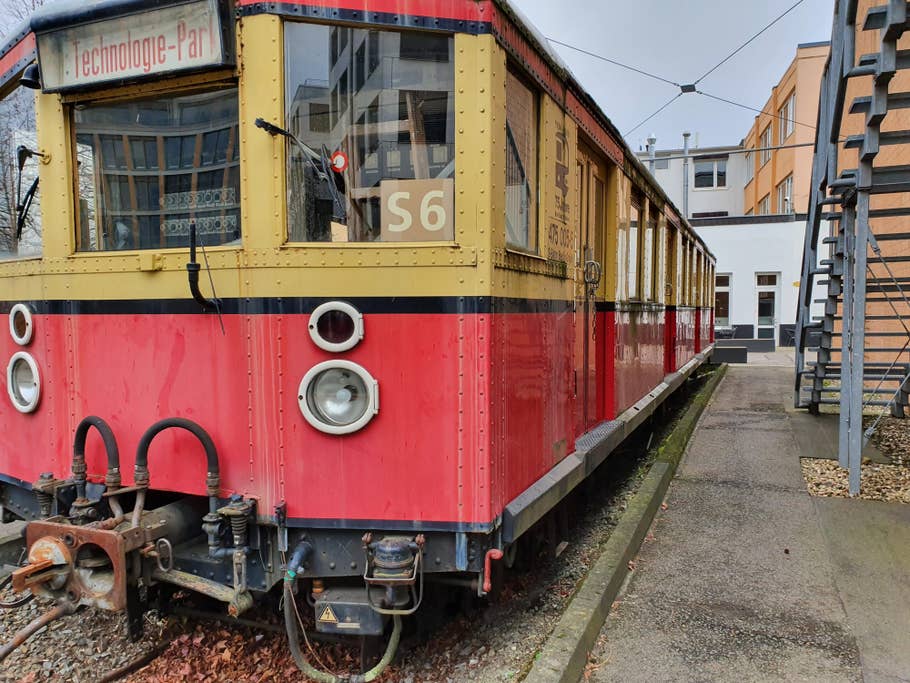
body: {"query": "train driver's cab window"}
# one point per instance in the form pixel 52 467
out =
pixel 521 164
pixel 20 213
pixel 150 169
pixel 371 145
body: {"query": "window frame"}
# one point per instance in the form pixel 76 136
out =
pixel 750 167
pixel 764 205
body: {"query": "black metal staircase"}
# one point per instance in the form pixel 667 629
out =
pixel 858 269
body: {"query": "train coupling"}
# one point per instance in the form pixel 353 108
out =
pixel 395 564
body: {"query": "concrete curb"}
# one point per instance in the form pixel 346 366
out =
pixel 565 653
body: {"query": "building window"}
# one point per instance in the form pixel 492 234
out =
pixel 722 300
pixel 785 117
pixel 750 167
pixel 521 164
pixel 661 164
pixel 764 206
pixel 711 173
pixel 785 195
pixel 765 144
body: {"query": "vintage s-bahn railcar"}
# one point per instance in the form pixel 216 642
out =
pixel 340 293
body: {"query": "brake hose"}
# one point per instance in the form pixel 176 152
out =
pixel 290 624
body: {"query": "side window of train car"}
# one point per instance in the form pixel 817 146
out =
pixel 373 114
pixel 522 115
pixel 650 263
pixel 633 289
pixel 148 169
pixel 20 212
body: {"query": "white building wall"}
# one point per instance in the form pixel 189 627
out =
pixel 746 249
pixel 703 200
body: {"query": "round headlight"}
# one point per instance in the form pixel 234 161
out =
pixel 338 397
pixel 23 384
pixel 20 324
pixel 336 326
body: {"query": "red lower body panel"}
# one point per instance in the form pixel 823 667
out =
pixel 421 458
pixel 639 354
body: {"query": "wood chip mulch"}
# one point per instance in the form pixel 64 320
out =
pixel 878 482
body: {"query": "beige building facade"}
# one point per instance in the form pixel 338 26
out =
pixel 777 180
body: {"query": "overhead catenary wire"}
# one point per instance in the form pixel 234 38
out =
pixel 688 87
pixel 615 62
pixel 644 121
pixel 741 47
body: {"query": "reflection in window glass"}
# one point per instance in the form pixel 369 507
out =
pixel 17 128
pixel 375 114
pixel 521 164
pixel 149 169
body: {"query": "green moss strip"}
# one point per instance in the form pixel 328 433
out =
pixel 565 653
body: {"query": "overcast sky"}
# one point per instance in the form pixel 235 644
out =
pixel 680 41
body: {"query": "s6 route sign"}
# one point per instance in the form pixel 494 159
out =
pixel 168 40
pixel 417 210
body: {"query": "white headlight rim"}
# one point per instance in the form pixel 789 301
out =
pixel 15 397
pixel 372 387
pixel 336 347
pixel 21 312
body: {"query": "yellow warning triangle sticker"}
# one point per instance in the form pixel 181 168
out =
pixel 328 615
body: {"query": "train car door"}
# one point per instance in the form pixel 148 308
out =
pixel 592 199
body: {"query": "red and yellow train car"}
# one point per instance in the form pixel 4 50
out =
pixel 376 279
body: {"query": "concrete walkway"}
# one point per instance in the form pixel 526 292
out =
pixel 748 578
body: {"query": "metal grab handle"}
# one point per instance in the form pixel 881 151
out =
pixel 593 272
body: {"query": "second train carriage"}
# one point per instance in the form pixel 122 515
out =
pixel 429 289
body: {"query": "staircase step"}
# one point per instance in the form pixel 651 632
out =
pixel 880 17
pixel 869 62
pixel 894 137
pixel 891 236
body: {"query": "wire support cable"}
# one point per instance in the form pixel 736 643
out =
pixel 614 62
pixel 644 121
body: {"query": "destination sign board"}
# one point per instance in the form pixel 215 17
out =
pixel 167 40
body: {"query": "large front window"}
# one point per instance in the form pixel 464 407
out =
pixel 20 215
pixel 373 114
pixel 150 169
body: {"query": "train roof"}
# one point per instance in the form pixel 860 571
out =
pixel 19 49
pixel 532 34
